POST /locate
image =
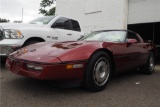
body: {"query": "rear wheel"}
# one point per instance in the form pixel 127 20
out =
pixel 148 68
pixel 98 71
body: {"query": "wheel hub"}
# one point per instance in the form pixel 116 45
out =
pixel 101 71
pixel 151 63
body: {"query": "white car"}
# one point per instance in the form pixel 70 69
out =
pixel 47 28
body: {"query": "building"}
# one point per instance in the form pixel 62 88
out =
pixel 144 18
pixel 141 16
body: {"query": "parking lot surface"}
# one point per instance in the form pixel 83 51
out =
pixel 129 89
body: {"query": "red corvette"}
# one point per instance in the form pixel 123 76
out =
pixel 92 59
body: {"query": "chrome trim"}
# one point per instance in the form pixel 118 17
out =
pixel 1 33
pixel 151 63
pixel 4 54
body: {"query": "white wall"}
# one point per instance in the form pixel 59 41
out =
pixel 95 14
pixel 142 11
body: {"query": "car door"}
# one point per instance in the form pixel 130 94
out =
pixel 118 49
pixel 134 51
pixel 62 30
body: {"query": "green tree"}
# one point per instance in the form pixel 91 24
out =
pixel 4 20
pixel 45 4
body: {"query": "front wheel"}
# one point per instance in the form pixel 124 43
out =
pixel 98 71
pixel 148 68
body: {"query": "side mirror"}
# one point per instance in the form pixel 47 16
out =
pixel 130 41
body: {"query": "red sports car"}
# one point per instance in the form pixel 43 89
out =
pixel 93 59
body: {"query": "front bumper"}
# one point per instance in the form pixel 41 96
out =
pixel 8 46
pixel 56 71
pixel 5 50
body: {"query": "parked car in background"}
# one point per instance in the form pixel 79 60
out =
pixel 92 60
pixel 47 28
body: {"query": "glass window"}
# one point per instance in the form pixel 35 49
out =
pixel 62 23
pixel 132 36
pixel 75 25
pixel 42 20
pixel 107 36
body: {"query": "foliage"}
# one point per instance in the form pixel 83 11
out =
pixel 45 4
pixel 4 20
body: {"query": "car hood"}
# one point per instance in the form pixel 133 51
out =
pixel 64 51
pixel 18 25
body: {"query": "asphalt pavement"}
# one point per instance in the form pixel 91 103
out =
pixel 130 89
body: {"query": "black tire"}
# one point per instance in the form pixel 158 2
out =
pixel 148 68
pixel 96 80
pixel 30 42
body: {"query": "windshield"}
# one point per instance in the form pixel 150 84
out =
pixel 106 36
pixel 42 20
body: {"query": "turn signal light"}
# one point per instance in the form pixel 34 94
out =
pixel 74 66
pixel 69 66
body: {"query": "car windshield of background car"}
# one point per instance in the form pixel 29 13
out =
pixel 42 20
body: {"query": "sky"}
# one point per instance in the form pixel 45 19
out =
pixel 12 10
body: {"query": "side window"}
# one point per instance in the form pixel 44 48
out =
pixel 75 25
pixel 62 23
pixel 132 36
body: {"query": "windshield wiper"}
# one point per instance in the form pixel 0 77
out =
pixel 80 37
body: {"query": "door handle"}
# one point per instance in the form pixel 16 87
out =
pixel 69 34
